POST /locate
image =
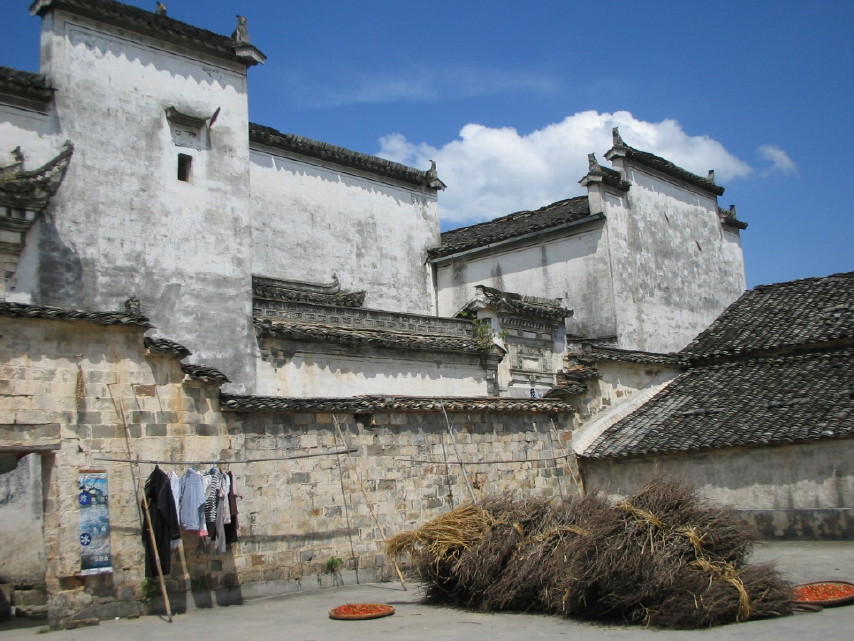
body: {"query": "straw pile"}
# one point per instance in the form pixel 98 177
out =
pixel 662 557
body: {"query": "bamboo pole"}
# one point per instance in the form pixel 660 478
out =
pixel 457 452
pixel 145 510
pixel 340 435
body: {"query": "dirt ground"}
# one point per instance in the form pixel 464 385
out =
pixel 303 616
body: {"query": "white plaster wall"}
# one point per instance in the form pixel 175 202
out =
pixel 373 235
pixel 817 474
pixel 675 269
pixel 573 267
pixel 22 523
pixel 32 130
pixel 325 372
pixel 122 224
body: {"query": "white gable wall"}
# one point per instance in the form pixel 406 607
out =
pixel 310 221
pixel 122 224
pixel 675 268
pixel 573 266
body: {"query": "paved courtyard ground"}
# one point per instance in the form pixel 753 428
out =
pixel 303 616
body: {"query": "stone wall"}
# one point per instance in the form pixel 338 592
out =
pixel 74 385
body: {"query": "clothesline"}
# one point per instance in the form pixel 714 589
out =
pixel 221 462
pixel 518 460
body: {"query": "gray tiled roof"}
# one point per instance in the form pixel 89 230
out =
pixel 660 164
pixel 146 23
pixel 760 401
pixel 776 367
pixel 166 347
pixel 520 223
pixel 597 354
pixel 780 316
pixel 536 306
pixel 21 310
pixel 269 137
pixel 26 84
pixel 359 404
pixel 204 374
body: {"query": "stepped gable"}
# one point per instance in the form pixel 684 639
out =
pixel 621 149
pixel 562 212
pixel 761 401
pixel 269 137
pixel 157 26
pixel 786 315
pixel 165 347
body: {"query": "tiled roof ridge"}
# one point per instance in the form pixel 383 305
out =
pixel 166 347
pixel 601 353
pixel 270 137
pixel 122 318
pixel 502 232
pixel 25 83
pixel 661 164
pixel 550 308
pixel 204 374
pixel 376 403
pixel 347 335
pixel 147 23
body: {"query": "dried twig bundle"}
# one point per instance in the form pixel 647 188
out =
pixel 663 557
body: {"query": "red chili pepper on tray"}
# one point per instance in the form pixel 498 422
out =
pixel 812 592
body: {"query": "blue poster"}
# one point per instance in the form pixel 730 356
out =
pixel 93 499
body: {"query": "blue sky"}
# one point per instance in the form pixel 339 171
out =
pixel 510 97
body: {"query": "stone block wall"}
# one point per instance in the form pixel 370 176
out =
pixel 78 393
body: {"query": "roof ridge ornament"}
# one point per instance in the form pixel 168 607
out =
pixel 433 180
pixel 592 163
pixel 617 138
pixel 241 32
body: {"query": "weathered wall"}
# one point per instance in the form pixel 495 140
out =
pixel 21 527
pixel 66 383
pixel 573 266
pixel 675 269
pixel 773 481
pixel 374 236
pixel 301 369
pixel 179 246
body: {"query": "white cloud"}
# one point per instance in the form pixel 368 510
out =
pixel 779 159
pixel 423 84
pixel 491 172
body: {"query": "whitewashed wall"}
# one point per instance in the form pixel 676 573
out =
pixel 123 224
pixel 310 221
pixel 573 267
pixel 674 268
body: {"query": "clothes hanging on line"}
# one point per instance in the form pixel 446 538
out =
pixel 163 517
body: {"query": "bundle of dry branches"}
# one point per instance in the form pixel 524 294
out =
pixel 662 557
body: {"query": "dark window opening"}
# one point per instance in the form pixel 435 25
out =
pixel 185 163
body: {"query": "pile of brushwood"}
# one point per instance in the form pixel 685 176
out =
pixel 663 557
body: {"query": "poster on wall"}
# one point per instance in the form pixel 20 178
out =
pixel 93 499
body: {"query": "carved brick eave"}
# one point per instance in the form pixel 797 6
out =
pixel 367 404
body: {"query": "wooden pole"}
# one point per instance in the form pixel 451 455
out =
pixel 457 452
pixel 146 514
pixel 367 498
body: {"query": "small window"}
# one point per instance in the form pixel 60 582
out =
pixel 185 164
